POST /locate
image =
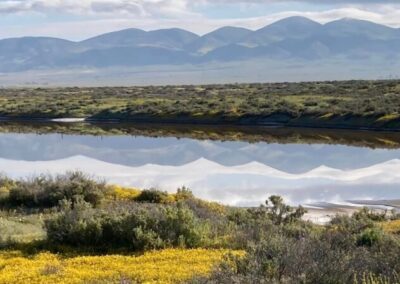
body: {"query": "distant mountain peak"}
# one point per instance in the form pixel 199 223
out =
pixel 228 32
pixel 288 28
pixel 174 30
pixel 218 38
pixel 172 38
pixel 294 20
pixel 352 27
pixel 354 21
pixel 349 19
pixel 230 28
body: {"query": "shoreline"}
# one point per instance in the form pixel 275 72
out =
pixel 254 122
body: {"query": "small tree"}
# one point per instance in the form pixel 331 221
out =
pixel 280 213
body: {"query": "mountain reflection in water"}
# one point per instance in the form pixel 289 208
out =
pixel 344 164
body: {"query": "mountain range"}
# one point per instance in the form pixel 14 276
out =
pixel 295 38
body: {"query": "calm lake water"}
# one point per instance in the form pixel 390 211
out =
pixel 233 172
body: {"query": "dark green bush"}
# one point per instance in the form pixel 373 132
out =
pixel 78 224
pixel 48 191
pixel 369 237
pixel 138 227
pixel 152 196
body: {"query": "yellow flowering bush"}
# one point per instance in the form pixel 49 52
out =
pixel 4 192
pixel 391 226
pixel 122 193
pixel 167 266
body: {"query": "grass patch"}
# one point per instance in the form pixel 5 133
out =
pixel 22 228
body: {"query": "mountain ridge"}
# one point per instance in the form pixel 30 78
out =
pixel 296 38
pixel 284 20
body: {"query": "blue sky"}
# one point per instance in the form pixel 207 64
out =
pixel 80 19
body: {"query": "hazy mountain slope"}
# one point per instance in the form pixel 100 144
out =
pixel 289 28
pixel 218 38
pixel 126 56
pixel 235 52
pixel 330 47
pixel 32 52
pixel 166 38
pixel 352 27
pixel 173 38
pixel 288 39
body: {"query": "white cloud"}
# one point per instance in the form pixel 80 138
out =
pixel 148 7
pixel 305 1
pixel 168 8
pixel 113 15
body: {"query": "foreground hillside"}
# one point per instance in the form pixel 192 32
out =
pixel 72 229
pixel 343 104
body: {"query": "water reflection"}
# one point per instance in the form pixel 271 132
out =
pixel 283 135
pixel 137 151
pixel 294 152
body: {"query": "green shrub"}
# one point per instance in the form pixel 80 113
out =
pixel 139 227
pixel 152 196
pixel 48 191
pixel 78 224
pixel 369 237
pixel 349 250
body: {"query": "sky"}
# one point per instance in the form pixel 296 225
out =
pixel 80 19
